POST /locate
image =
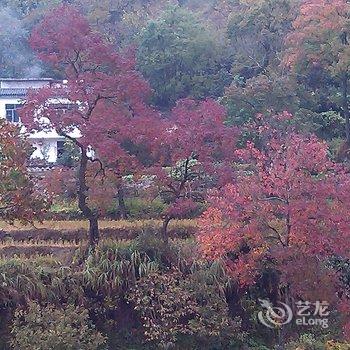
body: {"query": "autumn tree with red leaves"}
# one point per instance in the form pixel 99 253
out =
pixel 103 100
pixel 20 198
pixel 195 152
pixel 320 40
pixel 288 209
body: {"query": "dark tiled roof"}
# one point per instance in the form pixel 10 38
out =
pixel 20 92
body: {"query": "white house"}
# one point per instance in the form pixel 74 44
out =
pixel 48 145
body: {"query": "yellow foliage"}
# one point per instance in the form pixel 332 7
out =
pixel 333 345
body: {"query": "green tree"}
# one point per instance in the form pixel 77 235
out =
pixel 319 46
pixel 257 30
pixel 181 58
pixel 120 20
pixel 256 33
pixel 15 54
pixel 263 84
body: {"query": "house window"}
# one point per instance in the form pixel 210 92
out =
pixel 60 148
pixel 12 114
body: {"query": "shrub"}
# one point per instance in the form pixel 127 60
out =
pixel 307 342
pixel 165 308
pixel 43 328
pixel 64 210
pixel 139 208
pixel 115 266
pixel 254 344
pixel 333 345
pixel 173 308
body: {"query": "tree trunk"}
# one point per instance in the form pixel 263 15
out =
pixel 345 106
pixel 121 203
pixel 281 341
pixel 282 332
pixel 94 232
pixel 165 236
pixel 82 201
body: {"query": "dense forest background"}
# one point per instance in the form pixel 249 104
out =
pixel 234 51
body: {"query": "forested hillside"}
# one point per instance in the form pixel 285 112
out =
pixel 253 56
pixel 201 193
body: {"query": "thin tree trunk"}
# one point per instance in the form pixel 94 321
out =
pixel 281 339
pixel 282 332
pixel 165 235
pixel 94 234
pixel 345 104
pixel 121 203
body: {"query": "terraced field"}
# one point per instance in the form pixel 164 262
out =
pixel 61 239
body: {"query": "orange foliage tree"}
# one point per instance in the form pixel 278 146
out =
pixel 19 195
pixel 287 211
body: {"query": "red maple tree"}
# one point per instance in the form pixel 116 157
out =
pixel 287 209
pixel 194 154
pixel 103 100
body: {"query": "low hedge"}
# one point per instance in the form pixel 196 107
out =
pixel 137 208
